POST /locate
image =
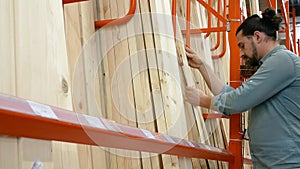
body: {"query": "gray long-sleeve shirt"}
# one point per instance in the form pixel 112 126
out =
pixel 272 98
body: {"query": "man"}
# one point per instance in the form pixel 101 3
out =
pixel 271 95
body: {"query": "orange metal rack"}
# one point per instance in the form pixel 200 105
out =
pixel 72 1
pixel 25 118
pixel 116 21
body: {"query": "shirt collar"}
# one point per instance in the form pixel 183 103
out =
pixel 281 47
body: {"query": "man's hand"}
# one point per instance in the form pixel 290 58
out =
pixel 193 95
pixel 197 97
pixel 193 59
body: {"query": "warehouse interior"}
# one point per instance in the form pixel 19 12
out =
pixel 98 84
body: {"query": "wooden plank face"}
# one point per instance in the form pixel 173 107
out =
pixel 169 77
pixel 7 53
pixel 209 130
pixel 8 145
pixel 42 74
pixel 142 77
pixel 86 88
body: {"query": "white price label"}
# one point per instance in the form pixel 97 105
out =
pixel 190 143
pixel 148 134
pixel 42 110
pixel 94 121
pixel 169 139
pixel 207 147
pixel 110 125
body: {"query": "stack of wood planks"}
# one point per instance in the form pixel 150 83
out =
pixel 127 73
pixel 34 66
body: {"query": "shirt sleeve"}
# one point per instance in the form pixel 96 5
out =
pixel 275 74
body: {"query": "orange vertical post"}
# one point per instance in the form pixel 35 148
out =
pixel 274 4
pixel 298 42
pixel 174 17
pixel 287 29
pixel 294 31
pixel 188 23
pixel 235 143
pixel 285 12
pixel 208 19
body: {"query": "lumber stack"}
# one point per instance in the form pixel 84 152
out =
pixel 202 43
pixel 34 66
pixel 138 72
pixel 127 73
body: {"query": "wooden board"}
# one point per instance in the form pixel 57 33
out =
pixel 42 75
pixel 8 145
pixel 141 81
pixel 83 50
pixel 169 76
pixel 202 46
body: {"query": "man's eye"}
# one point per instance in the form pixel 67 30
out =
pixel 241 46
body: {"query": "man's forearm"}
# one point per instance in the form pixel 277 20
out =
pixel 213 82
pixel 207 102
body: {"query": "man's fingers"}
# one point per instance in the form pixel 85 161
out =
pixel 189 50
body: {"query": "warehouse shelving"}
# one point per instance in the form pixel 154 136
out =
pixel 24 118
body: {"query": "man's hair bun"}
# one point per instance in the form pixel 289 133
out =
pixel 269 24
pixel 269 16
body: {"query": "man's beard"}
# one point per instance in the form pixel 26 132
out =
pixel 253 61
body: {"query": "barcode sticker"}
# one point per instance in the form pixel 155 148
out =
pixel 149 134
pixel 94 121
pixel 42 110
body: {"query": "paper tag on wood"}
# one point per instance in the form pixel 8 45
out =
pixel 42 110
pixel 94 121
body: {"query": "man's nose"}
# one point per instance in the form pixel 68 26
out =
pixel 242 53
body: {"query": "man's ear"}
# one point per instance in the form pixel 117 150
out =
pixel 258 36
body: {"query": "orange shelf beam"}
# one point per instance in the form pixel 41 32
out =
pixel 205 30
pixel 71 1
pixel 213 115
pixel 23 118
pixel 118 21
pixel 213 11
